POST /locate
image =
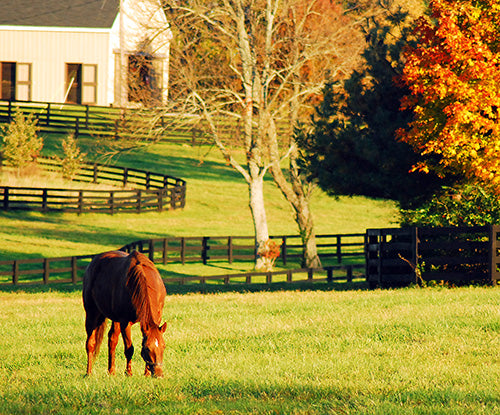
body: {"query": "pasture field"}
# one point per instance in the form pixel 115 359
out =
pixel 408 351
pixel 216 206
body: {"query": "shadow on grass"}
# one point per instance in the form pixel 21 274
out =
pixel 180 289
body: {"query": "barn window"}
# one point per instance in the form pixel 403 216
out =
pixel 8 84
pixel 23 82
pixel 15 81
pixel 81 83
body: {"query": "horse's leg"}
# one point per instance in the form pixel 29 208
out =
pixel 95 325
pixel 114 334
pixel 126 329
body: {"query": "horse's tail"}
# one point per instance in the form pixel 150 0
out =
pixel 99 335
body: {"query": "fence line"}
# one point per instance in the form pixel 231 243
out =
pixel 151 191
pixel 337 247
pixel 118 122
pixel 69 269
pixel 401 256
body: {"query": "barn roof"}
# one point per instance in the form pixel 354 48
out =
pixel 59 13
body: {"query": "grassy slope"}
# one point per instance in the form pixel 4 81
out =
pixel 216 205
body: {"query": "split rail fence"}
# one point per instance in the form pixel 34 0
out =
pixel 147 191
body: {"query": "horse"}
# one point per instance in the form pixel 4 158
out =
pixel 126 289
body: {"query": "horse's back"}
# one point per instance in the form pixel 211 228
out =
pixel 104 284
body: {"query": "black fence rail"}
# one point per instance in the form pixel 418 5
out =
pixel 396 257
pixel 338 273
pixel 43 270
pixel 70 269
pixel 148 191
pixel 334 248
pixel 90 120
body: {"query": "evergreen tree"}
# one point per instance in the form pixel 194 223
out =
pixel 352 148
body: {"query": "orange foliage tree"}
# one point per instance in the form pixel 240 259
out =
pixel 454 77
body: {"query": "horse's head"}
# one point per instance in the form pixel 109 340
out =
pixel 153 347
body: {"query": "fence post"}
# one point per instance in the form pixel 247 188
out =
pixel 151 249
pixel 46 270
pixel 160 200
pixel 48 114
pixel 349 273
pixel 230 249
pixel 15 272
pixel 339 249
pixel 165 248
pixel 44 200
pixel 9 114
pixel 139 200
pixel 494 272
pixel 283 250
pixel 310 275
pixel 183 250
pixel 87 116
pixel 6 198
pixel 329 274
pixel 125 176
pixel 80 202
pixel 204 250
pixel 111 202
pixel 74 270
pixel 96 173
pixel 77 127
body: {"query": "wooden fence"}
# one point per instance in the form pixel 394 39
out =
pixel 338 248
pixel 95 121
pixel 148 191
pixel 396 257
pixel 347 252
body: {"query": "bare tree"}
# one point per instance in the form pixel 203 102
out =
pixel 259 62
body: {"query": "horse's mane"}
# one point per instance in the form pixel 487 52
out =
pixel 143 287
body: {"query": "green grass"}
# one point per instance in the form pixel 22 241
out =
pixel 410 351
pixel 217 205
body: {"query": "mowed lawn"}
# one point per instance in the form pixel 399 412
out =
pixel 408 351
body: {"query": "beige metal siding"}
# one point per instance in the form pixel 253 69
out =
pixel 49 51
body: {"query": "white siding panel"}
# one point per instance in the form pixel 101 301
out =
pixel 49 51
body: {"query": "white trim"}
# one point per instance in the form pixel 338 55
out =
pixel 55 29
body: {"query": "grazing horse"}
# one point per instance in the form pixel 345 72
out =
pixel 125 288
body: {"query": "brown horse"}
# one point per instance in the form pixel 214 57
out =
pixel 125 289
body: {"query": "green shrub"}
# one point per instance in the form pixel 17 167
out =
pixel 73 157
pixel 21 144
pixel 467 205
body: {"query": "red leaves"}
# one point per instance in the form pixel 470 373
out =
pixel 454 78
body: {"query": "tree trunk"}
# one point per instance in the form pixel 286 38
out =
pixel 257 207
pixel 297 193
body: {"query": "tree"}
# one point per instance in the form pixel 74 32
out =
pixel 73 157
pixel 258 62
pixel 21 144
pixel 353 148
pixel 453 74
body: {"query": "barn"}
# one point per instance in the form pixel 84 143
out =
pixel 92 52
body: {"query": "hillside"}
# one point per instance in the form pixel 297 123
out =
pixel 216 205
